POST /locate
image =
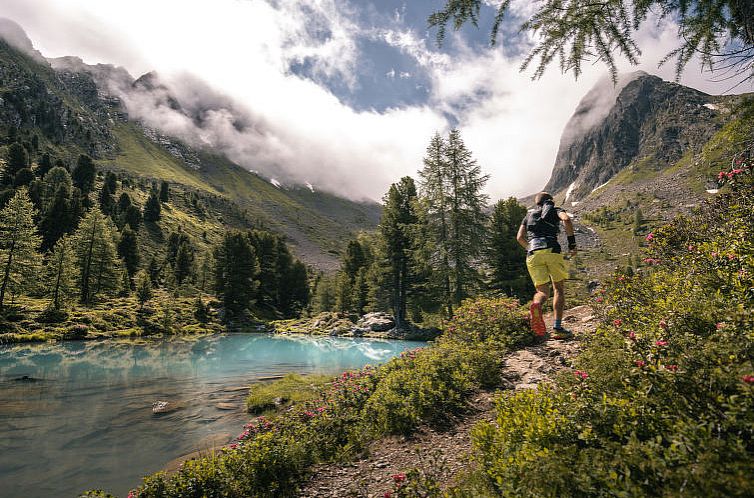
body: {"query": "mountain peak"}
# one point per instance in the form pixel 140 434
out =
pixel 641 117
pixel 16 37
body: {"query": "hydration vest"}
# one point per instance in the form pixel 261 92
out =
pixel 542 228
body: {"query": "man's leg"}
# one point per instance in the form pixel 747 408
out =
pixel 536 317
pixel 558 305
pixel 558 299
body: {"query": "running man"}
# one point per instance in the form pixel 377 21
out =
pixel 538 234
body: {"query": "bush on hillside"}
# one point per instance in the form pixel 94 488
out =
pixel 662 403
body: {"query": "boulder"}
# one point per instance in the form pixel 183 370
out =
pixel 376 322
pixel 162 407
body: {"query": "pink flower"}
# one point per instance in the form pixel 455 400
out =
pixel 233 446
pixel 672 368
pixel 691 248
pixel 661 343
pixel 399 478
pixel 599 299
pixel 650 237
pixel 731 257
pixel 632 335
pixel 720 325
pixel 387 494
pixel 581 375
pixel 132 494
pixel 663 324
pixel 721 176
pixel 749 379
pixel 617 322
pixel 640 363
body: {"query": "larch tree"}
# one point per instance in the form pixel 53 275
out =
pixel 452 184
pixel 236 271
pixel 433 187
pixel 84 174
pixel 96 256
pixel 16 161
pixel 721 33
pixel 504 257
pixel 19 243
pixel 60 273
pixel 152 208
pixel 128 250
pixel 397 228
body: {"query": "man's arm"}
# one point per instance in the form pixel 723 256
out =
pixel 568 224
pixel 521 237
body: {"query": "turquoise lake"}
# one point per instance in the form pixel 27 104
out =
pixel 78 415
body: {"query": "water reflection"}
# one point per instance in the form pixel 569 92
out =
pixel 79 413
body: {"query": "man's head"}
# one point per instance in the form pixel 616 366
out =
pixel 541 197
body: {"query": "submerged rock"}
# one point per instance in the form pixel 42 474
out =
pixel 162 407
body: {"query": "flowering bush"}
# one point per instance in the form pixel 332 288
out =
pixel 491 319
pixel 662 402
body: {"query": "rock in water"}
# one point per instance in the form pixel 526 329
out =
pixel 161 407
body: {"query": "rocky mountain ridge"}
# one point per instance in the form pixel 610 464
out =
pixel 649 121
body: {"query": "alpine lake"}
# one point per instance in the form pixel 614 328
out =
pixel 79 415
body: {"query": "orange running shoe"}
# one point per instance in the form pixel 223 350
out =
pixel 536 320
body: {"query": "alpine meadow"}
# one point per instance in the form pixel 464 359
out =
pixel 359 248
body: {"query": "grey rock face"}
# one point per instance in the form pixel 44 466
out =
pixel 650 119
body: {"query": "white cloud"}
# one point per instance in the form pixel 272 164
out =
pixel 297 130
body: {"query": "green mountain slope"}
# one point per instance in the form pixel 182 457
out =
pixel 69 114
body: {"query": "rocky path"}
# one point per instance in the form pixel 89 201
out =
pixel 444 455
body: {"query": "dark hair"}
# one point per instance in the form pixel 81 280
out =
pixel 541 197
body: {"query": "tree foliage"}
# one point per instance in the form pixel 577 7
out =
pixel 96 257
pixel 505 258
pixel 721 33
pixel 60 273
pixel 19 243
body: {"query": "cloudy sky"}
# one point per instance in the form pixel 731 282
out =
pixel 344 94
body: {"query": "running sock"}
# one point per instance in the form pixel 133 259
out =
pixel 558 324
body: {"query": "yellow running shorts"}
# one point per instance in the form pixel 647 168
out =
pixel 544 265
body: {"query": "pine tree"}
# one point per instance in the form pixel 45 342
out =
pixel 84 174
pixel 360 298
pixel 266 249
pixel 56 178
pixel 184 262
pixel 397 226
pixel 44 165
pixel 433 186
pixel 638 221
pixel 503 255
pixel 143 288
pixel 57 218
pixel 236 270
pixel 152 209
pixel 132 217
pixel 61 273
pixel 205 268
pixel 124 201
pixel 96 256
pixel 154 270
pixel 354 259
pixel 19 243
pixel 111 181
pixel 128 250
pixel 17 160
pixel 164 191
pixel 106 199
pixel 23 178
pixel 452 184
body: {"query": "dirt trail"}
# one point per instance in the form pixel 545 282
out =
pixel 444 455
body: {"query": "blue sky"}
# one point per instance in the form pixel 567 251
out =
pixel 342 94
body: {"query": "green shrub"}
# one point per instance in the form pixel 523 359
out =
pixel 662 403
pixel 421 386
